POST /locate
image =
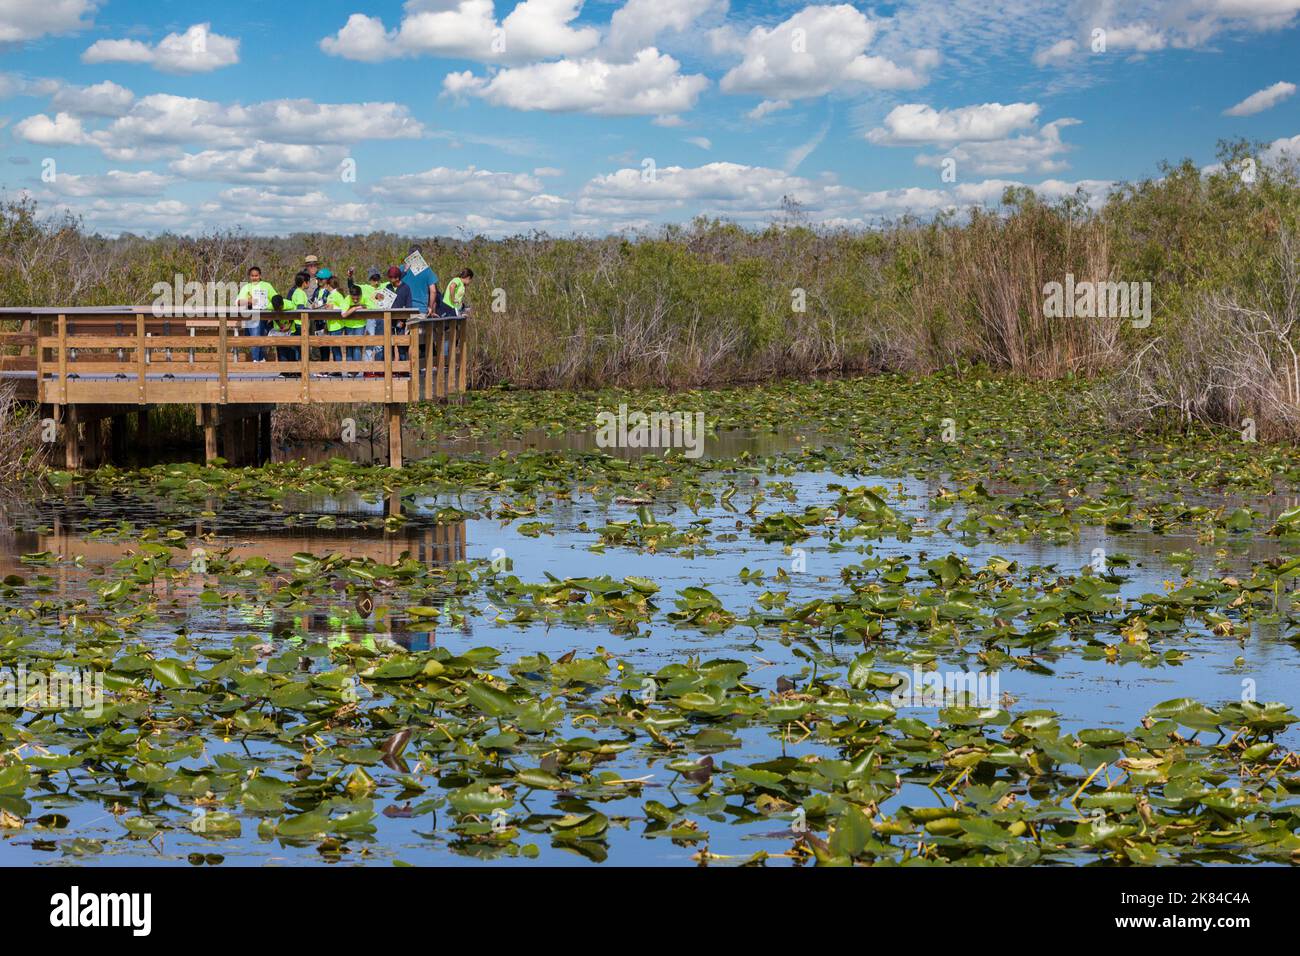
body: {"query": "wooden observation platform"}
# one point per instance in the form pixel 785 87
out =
pixel 87 364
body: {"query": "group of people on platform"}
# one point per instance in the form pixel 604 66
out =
pixel 413 285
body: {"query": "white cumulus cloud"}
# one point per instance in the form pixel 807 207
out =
pixel 456 186
pixel 639 23
pixel 467 29
pixel 23 20
pixel 197 50
pixel 115 182
pixel 63 129
pixel 815 51
pixel 915 124
pixel 1038 151
pixel 650 84
pixel 157 125
pixel 267 164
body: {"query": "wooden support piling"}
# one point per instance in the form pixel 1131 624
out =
pixel 117 435
pixel 230 440
pixel 428 338
pixel 208 413
pixel 72 438
pixel 94 442
pixel 462 336
pixel 264 438
pixel 395 435
pixel 248 429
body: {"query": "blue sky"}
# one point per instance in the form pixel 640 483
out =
pixel 463 116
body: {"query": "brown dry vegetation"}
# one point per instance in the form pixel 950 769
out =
pixel 21 449
pixel 711 303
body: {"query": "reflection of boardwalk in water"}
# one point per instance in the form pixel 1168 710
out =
pixel 431 545
pixel 357 617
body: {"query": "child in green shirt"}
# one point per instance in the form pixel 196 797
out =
pixel 255 295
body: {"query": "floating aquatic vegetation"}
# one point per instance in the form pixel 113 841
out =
pixel 723 660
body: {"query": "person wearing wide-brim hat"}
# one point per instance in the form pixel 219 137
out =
pixel 315 288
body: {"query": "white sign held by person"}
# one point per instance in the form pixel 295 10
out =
pixel 261 301
pixel 383 298
pixel 415 263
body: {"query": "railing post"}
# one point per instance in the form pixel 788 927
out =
pixel 141 356
pixel 221 355
pixel 388 356
pixel 426 370
pixel 63 358
pixel 463 338
pixel 304 337
pixel 38 358
pixel 413 373
pixel 441 343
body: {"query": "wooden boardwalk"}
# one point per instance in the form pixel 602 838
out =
pixel 87 364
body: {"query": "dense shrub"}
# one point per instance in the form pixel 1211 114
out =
pixel 709 302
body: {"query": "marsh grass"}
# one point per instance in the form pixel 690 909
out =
pixel 1231 362
pixel 711 303
pixel 302 423
pixel 21 450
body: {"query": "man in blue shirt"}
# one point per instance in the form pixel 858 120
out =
pixel 421 285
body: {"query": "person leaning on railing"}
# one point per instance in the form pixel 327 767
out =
pixel 334 299
pixel 374 324
pixel 402 300
pixel 356 325
pixel 345 323
pixel 453 300
pixel 299 299
pixel 283 325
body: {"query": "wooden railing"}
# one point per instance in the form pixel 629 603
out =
pixel 132 356
pixel 18 349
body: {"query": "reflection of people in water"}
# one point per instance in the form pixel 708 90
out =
pixel 414 641
pixel 362 623
pixel 254 615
